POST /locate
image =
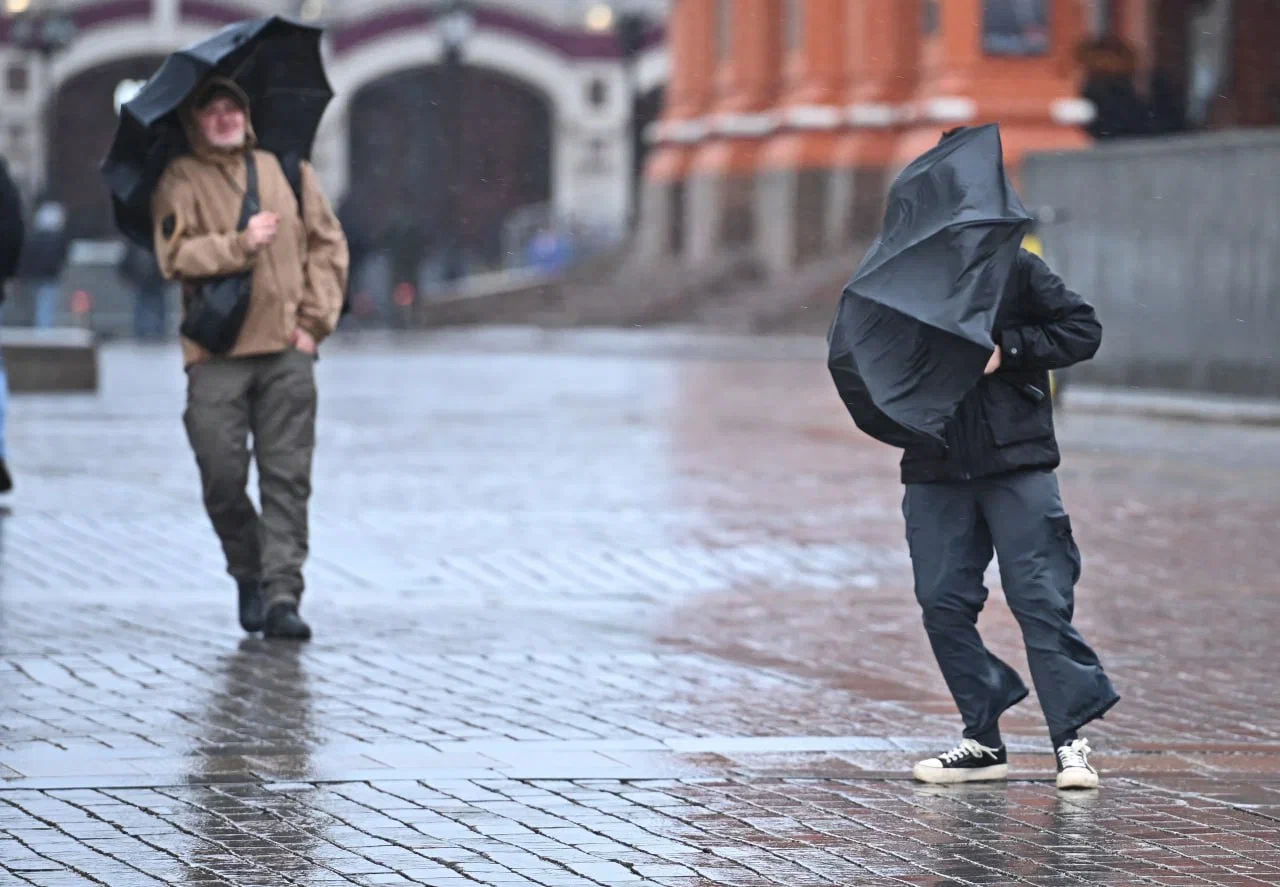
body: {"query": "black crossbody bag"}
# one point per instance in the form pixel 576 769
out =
pixel 216 306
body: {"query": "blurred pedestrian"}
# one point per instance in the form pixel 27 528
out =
pixel 12 230
pixel 991 489
pixel 264 385
pixel 43 260
pixel 550 249
pixel 139 268
pixel 354 218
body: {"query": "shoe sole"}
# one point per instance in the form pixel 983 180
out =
pixel 1077 778
pixel 954 776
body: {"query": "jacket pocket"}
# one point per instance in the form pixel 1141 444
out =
pixel 1062 533
pixel 1017 411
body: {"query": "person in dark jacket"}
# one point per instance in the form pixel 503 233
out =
pixel 991 488
pixel 12 231
pixel 44 258
pixel 139 269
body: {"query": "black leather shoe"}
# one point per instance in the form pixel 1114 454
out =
pixel 6 482
pixel 284 622
pixel 253 609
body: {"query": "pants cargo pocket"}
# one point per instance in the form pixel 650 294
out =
pixel 1062 533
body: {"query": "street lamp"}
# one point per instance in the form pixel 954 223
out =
pixel 632 32
pixel 456 24
pixel 310 10
pixel 599 18
pixel 124 93
pixel 45 33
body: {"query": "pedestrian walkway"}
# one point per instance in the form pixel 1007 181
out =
pixel 596 616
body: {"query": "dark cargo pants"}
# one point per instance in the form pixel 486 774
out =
pixel 273 398
pixel 952 529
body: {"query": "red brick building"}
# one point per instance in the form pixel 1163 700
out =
pixel 785 119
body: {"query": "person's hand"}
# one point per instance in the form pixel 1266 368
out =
pixel 304 341
pixel 261 230
pixel 994 363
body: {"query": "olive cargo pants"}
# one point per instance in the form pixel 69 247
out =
pixel 272 398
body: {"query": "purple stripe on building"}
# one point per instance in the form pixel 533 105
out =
pixel 575 44
pixel 93 16
pixel 215 13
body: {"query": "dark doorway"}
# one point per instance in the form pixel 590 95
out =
pixel 82 124
pixel 399 159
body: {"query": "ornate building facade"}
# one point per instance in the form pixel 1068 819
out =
pixel 786 119
pixel 549 101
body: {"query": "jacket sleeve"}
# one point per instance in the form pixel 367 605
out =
pixel 183 251
pixel 326 262
pixel 12 228
pixel 1066 332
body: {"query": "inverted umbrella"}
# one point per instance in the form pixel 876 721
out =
pixel 912 333
pixel 275 61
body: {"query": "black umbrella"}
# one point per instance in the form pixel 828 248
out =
pixel 912 334
pixel 275 61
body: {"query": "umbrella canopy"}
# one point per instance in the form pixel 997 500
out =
pixel 912 333
pixel 275 61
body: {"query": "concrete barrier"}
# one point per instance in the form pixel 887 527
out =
pixel 44 360
pixel 498 297
pixel 1175 242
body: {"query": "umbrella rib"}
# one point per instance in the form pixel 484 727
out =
pixel 968 223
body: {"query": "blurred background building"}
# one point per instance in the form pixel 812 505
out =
pixel 483 123
pixel 786 118
pixel 706 148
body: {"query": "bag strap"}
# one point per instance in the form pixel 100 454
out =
pixel 250 205
pixel 291 165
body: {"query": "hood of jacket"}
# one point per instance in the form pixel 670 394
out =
pixel 199 144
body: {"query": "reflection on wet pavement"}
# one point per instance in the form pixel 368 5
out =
pixel 605 616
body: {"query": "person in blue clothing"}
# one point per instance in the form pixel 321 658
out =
pixel 12 231
pixel 550 250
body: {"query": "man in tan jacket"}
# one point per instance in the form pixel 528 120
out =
pixel 265 385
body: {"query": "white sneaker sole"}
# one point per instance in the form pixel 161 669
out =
pixel 1077 777
pixel 953 776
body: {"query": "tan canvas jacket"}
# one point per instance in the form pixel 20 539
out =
pixel 298 281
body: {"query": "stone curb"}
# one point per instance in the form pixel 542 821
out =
pixel 1180 406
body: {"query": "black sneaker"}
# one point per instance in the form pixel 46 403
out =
pixel 6 480
pixel 1074 769
pixel 253 608
pixel 970 761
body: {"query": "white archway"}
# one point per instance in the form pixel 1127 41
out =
pixel 551 75
pixel 527 61
pixel 653 67
pixel 112 42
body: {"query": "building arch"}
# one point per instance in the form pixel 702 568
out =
pixel 113 42
pixel 400 148
pixel 82 123
pixel 514 56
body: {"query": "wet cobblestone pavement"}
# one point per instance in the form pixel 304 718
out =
pixel 600 611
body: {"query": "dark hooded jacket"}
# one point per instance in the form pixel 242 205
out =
pixel 1006 423
pixel 12 227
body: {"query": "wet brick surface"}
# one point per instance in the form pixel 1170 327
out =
pixel 605 611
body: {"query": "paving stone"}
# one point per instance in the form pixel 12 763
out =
pixel 588 617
